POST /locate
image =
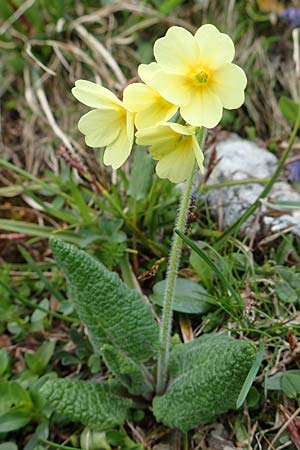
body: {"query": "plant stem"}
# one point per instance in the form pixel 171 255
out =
pixel 185 441
pixel 236 225
pixel 174 260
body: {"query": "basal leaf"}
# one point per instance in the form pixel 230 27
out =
pixel 112 313
pixel 206 377
pixel 90 403
pixel 131 374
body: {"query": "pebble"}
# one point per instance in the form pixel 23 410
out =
pixel 239 159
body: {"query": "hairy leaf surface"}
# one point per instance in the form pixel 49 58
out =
pixel 206 376
pixel 112 313
pixel 131 374
pixel 93 404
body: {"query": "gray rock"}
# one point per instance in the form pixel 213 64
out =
pixel 239 159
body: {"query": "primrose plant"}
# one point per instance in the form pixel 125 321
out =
pixel 183 93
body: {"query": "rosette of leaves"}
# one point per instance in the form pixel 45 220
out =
pixel 205 375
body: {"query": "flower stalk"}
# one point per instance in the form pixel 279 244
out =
pixel 173 265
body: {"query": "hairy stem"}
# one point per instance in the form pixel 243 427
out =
pixel 174 260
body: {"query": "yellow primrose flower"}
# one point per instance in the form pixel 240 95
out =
pixel 150 107
pixel 197 74
pixel 109 125
pixel 175 147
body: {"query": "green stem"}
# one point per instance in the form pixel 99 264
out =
pixel 185 441
pixel 236 225
pixel 174 260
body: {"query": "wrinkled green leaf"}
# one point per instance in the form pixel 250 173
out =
pixel 127 370
pixel 206 377
pixel 90 403
pixel 112 313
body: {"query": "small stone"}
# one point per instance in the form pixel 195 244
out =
pixel 239 159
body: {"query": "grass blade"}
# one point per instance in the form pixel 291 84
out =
pixel 251 376
pixel 33 229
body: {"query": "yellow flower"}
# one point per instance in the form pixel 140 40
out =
pixel 175 147
pixel 150 107
pixel 109 125
pixel 196 74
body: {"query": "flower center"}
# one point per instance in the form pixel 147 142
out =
pixel 201 77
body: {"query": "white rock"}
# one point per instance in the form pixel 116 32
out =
pixel 239 159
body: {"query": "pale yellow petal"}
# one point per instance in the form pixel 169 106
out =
pixel 216 48
pixel 136 96
pixel 198 154
pixel 100 127
pixel 178 164
pixel 151 108
pixel 158 111
pixel 94 95
pixel 118 151
pixel 181 129
pixel 174 88
pixel 130 126
pixel 146 71
pixel 229 83
pixel 204 110
pixel 177 50
pixel 158 135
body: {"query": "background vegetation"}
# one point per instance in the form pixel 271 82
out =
pixel 50 182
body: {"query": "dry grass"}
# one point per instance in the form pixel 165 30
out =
pixel 101 46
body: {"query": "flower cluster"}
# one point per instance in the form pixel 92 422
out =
pixel 192 80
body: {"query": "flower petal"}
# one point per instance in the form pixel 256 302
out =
pixel 176 50
pixel 204 110
pixel 159 135
pixel 118 151
pixel 157 112
pixel 94 95
pixel 198 154
pixel 100 127
pixel 136 96
pixel 174 88
pixel 175 165
pixel 130 126
pixel 181 129
pixel 151 108
pixel 216 48
pixel 146 71
pixel 229 83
